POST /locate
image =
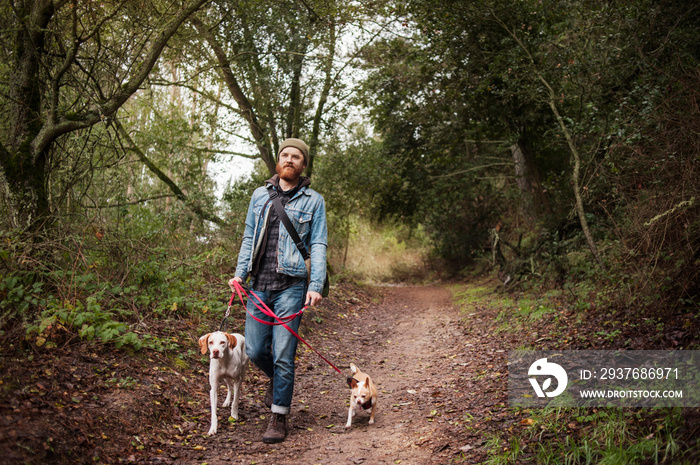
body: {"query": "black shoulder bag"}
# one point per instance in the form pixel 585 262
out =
pixel 277 203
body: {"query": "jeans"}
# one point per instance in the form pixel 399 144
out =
pixel 273 348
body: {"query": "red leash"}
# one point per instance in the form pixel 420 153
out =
pixel 260 305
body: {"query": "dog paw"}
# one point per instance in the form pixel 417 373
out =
pixel 211 432
pixel 371 422
pixel 347 426
pixel 227 403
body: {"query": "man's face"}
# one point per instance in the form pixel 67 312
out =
pixel 290 164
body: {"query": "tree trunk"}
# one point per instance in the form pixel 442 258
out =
pixel 258 132
pixel 575 181
pixel 315 132
pixel 36 119
pixel 24 169
pixel 294 111
pixel 551 100
pixel 528 179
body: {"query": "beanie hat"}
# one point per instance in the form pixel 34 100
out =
pixel 298 144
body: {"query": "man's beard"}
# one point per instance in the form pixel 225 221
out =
pixel 289 173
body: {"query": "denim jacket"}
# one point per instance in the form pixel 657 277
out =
pixel 307 211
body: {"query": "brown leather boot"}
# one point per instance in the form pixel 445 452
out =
pixel 268 395
pixel 276 429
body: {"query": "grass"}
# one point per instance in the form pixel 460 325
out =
pixel 591 436
pixel 384 254
pixel 471 294
pixel 571 436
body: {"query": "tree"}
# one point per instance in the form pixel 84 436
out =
pixel 550 79
pixel 73 65
pixel 347 175
pixel 174 188
pixel 576 174
pixel 280 65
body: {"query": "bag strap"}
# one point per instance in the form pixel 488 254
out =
pixel 277 203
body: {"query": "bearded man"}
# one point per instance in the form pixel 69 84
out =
pixel 278 274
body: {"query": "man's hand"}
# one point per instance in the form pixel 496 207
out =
pixel 312 298
pixel 237 279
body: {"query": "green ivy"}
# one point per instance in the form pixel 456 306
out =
pixel 88 320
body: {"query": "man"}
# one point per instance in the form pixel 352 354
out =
pixel 278 275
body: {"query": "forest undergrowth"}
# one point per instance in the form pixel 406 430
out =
pixel 530 317
pixel 140 300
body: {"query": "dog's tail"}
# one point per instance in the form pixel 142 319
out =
pixel 353 368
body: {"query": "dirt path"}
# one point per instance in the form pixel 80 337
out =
pixel 414 348
pixel 404 344
pixel 440 376
pixel 441 373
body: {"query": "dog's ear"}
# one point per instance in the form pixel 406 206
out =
pixel 232 341
pixel 368 382
pixel 352 382
pixel 203 341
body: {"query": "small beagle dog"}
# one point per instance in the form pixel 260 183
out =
pixel 363 394
pixel 227 362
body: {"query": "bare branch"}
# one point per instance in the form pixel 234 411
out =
pixel 133 202
pixel 244 104
pixel 164 177
pixel 51 131
pixel 468 170
pixel 575 177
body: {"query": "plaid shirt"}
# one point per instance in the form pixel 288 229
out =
pixel 264 274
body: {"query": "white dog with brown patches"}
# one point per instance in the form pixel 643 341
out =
pixel 227 362
pixel 363 394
